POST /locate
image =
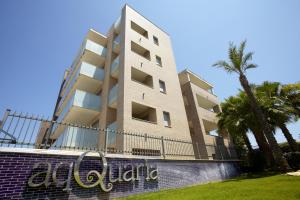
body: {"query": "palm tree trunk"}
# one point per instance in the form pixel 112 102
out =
pixel 263 146
pixel 247 142
pixel 278 156
pixel 292 143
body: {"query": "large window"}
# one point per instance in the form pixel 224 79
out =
pixel 162 86
pixel 167 120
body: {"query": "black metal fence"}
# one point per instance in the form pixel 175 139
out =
pixel 28 131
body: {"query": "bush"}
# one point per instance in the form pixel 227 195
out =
pixel 293 158
pixel 257 161
pixel 285 148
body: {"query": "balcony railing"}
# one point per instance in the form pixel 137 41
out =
pixel 80 99
pixel 117 25
pixel 115 67
pixel 111 134
pixel 208 115
pixel 86 69
pixel 78 138
pixel 29 131
pixel 116 44
pixel 96 48
pixel 113 95
pixel 87 44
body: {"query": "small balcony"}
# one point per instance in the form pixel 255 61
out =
pixel 114 70
pixel 93 53
pixel 206 95
pixel 81 108
pixel 113 97
pixel 208 115
pixel 87 77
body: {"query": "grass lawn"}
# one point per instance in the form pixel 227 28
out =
pixel 246 188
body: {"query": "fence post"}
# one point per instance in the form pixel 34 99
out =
pixel 5 116
pixel 163 147
pixel 105 141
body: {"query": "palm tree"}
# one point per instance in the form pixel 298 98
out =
pixel 230 121
pixel 238 119
pixel 277 107
pixel 239 63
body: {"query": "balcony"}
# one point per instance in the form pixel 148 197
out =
pixel 81 108
pixel 93 53
pixel 139 50
pixel 87 77
pixel 77 138
pixel 114 70
pixel 141 77
pixel 143 113
pixel 112 135
pixel 205 95
pixel 116 44
pixel 117 25
pixel 113 97
pixel 208 115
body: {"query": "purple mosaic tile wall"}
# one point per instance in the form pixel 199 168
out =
pixel 17 168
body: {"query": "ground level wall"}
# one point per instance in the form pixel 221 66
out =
pixel 17 167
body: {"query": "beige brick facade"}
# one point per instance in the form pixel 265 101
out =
pixel 127 81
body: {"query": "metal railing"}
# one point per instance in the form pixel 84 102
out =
pixel 29 131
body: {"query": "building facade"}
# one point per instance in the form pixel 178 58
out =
pixel 127 80
pixel 202 107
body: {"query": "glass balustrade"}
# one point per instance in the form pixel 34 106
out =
pixel 111 133
pixel 80 138
pixel 115 66
pixel 113 94
pixel 87 70
pixel 96 48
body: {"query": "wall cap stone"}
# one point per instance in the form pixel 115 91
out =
pixel 93 154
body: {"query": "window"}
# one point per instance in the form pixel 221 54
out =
pixel 155 40
pixel 158 60
pixel 167 121
pixel 162 86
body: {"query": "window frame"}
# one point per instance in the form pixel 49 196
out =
pixel 169 124
pixel 164 89
pixel 155 40
pixel 160 61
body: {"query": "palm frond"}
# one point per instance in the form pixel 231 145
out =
pixel 223 64
pixel 250 66
pixel 247 57
pixel 242 48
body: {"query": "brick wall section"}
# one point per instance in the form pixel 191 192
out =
pixel 17 168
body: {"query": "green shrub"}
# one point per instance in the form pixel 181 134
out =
pixel 293 158
pixel 257 161
pixel 285 148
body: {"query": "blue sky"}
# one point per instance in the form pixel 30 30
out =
pixel 39 40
